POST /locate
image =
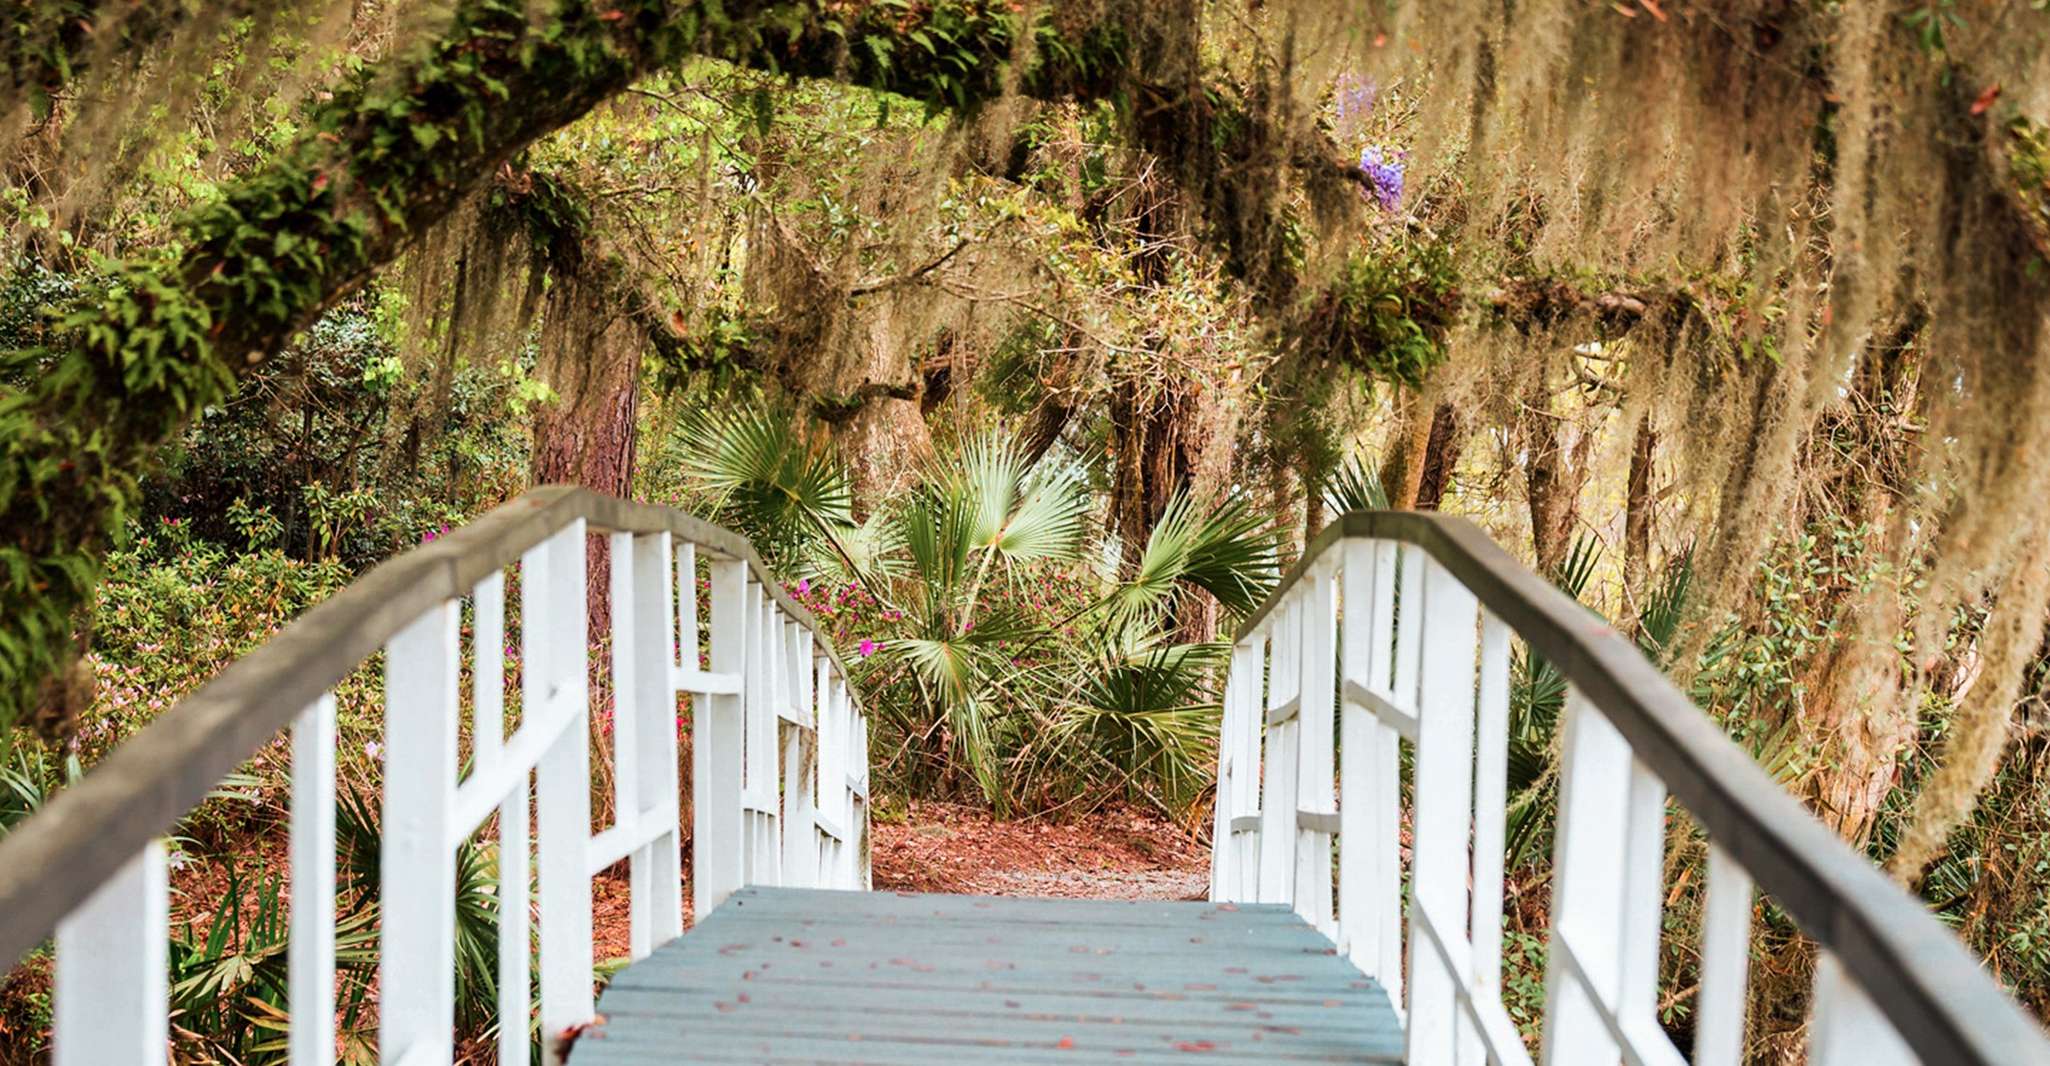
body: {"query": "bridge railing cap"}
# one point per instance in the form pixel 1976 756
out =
pixel 66 850
pixel 1933 991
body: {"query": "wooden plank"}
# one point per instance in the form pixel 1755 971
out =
pixel 779 974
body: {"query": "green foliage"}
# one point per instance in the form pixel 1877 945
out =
pixel 991 650
pixel 1355 486
pixel 1386 314
pixel 777 484
pixel 2029 166
pixel 29 776
pixel 158 337
pixel 1232 553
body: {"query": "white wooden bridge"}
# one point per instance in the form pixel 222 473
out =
pixel 1347 922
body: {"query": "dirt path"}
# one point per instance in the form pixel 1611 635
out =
pixel 1112 854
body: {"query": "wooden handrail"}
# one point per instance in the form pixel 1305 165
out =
pixel 1928 987
pixel 89 831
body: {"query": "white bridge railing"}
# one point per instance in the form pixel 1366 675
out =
pixel 779 759
pixel 1395 631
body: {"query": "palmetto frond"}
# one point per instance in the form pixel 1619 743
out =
pixel 959 671
pixel 1151 709
pixel 1017 512
pixel 779 486
pixel 1231 553
pixel 1355 486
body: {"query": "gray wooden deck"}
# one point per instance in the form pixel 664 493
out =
pixel 796 975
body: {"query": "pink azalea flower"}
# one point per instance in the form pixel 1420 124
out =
pixel 868 648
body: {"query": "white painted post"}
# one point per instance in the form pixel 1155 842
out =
pixel 111 997
pixel 717 748
pixel 1359 743
pixel 1444 617
pixel 1223 871
pixel 487 673
pixel 310 954
pixel 555 635
pixel 1490 805
pixel 1848 1029
pixel 835 798
pixel 1386 773
pixel 1316 784
pixel 487 686
pixel 1644 853
pixel 626 746
pixel 1584 964
pixel 1249 660
pixel 658 873
pixel 800 766
pixel 417 873
pixel 515 926
pixel 1725 962
pixel 1278 779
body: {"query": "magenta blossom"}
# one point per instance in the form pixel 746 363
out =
pixel 868 647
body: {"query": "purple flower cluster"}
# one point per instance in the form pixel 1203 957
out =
pixel 1383 169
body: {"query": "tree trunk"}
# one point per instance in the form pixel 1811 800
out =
pixel 1442 446
pixel 1639 499
pixel 1552 480
pixel 591 357
pixel 1402 460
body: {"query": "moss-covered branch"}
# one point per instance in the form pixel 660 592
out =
pixel 163 336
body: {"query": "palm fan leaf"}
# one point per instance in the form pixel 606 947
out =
pixel 1231 553
pixel 765 476
pixel 1018 513
pixel 1355 486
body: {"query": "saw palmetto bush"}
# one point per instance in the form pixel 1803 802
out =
pixel 1004 650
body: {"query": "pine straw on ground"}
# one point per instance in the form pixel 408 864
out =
pixel 1117 853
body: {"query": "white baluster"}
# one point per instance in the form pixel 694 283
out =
pixel 1360 742
pixel 718 747
pixel 515 925
pixel 657 867
pixel 1848 1029
pixel 835 798
pixel 862 855
pixel 626 715
pixel 310 954
pixel 1725 962
pixel 1316 784
pixel 1250 661
pixel 487 686
pixel 1223 871
pixel 1636 1002
pixel 555 636
pixel 487 675
pixel 1490 802
pixel 111 998
pixel 1444 616
pixel 1278 784
pixel 416 939
pixel 686 651
pixel 800 767
pixel 1589 869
